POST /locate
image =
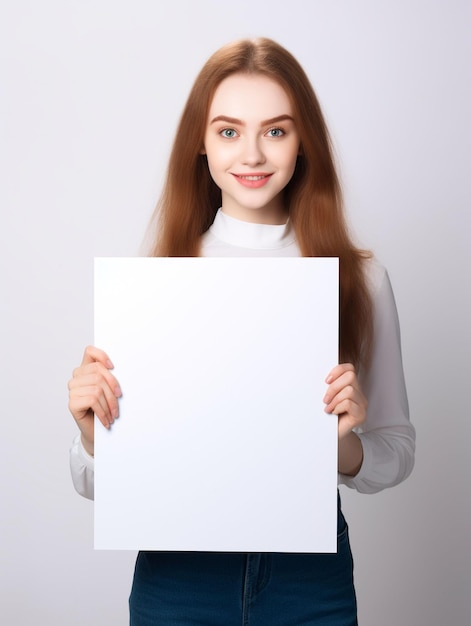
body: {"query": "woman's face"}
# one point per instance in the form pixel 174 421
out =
pixel 251 143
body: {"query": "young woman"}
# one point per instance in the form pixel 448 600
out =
pixel 252 174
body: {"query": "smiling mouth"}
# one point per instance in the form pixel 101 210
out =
pixel 252 181
pixel 252 176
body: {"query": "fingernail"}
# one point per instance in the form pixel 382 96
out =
pixel 109 365
pixel 117 392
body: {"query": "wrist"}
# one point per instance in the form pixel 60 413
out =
pixel 350 454
pixel 87 445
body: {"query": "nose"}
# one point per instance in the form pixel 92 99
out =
pixel 252 154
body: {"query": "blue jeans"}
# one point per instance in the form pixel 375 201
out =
pixel 245 589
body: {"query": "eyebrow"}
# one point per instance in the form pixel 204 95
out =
pixel 234 120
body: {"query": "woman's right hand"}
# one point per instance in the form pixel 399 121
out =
pixel 93 390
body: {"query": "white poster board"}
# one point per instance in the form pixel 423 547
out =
pixel 222 443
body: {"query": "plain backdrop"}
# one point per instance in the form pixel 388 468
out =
pixel 90 95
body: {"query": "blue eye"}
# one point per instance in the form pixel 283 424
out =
pixel 228 133
pixel 276 132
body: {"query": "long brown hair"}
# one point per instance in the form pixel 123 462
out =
pixel 190 198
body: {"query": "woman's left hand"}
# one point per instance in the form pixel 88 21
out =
pixel 345 398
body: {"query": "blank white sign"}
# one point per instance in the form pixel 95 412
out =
pixel 222 443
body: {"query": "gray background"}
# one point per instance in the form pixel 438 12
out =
pixel 90 96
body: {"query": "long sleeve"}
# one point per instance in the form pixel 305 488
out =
pixel 387 436
pixel 82 469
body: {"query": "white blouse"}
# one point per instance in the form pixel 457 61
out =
pixel 387 436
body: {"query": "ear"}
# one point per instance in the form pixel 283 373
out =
pixel 202 151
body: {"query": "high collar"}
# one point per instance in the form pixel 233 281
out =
pixel 249 235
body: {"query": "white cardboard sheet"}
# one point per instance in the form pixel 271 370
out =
pixel 222 443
